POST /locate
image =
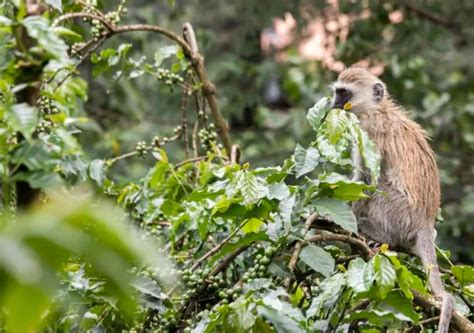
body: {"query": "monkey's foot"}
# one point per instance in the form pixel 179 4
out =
pixel 375 246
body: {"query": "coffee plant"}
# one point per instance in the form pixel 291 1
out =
pixel 209 244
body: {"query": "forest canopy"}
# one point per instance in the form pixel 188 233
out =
pixel 178 166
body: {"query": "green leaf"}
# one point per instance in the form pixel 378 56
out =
pixel 318 259
pixel 251 188
pixel 40 179
pixel 338 211
pixel 305 160
pixel 62 31
pixel 405 281
pixel 22 118
pixel 278 191
pixel 318 111
pixel 164 53
pixel 18 260
pixel 147 286
pixel 335 125
pixel 252 225
pixel 280 323
pixel 135 73
pixel 367 149
pixel 402 305
pixel 38 27
pixel 5 21
pixel 343 188
pixel 97 170
pixel 28 304
pixel 463 274
pixel 245 240
pixel 359 277
pixel 330 290
pixel 57 4
pixel 385 275
pixel 223 204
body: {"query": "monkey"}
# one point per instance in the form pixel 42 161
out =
pixel 403 213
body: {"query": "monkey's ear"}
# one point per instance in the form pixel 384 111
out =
pixel 378 92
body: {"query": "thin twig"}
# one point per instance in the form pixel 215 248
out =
pixel 69 16
pixel 216 248
pixel 81 60
pixel 363 248
pixel 297 248
pixel 184 121
pixel 299 244
pixel 422 323
pixel 121 157
pixel 191 160
pixel 210 253
pixel 225 262
pixel 195 138
pixel 235 156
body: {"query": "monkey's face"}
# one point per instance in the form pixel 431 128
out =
pixel 359 87
pixel 363 97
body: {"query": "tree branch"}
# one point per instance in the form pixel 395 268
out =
pixel 440 21
pixel 225 262
pixel 296 250
pixel 457 320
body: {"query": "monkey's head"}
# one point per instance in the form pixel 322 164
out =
pixel 359 87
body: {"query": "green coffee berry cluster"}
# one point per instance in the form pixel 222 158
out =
pixel 260 269
pixel 207 137
pixel 158 142
pixel 75 48
pixel 226 296
pixel 44 126
pixel 96 29
pixel 97 26
pixel 115 16
pixel 229 295
pixel 47 106
pixel 153 230
pixel 141 149
pixel 164 324
pixel 169 78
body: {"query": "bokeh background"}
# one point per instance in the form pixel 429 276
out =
pixel 272 59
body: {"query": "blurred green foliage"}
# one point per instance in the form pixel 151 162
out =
pixel 69 256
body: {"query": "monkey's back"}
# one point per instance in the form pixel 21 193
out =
pixel 409 176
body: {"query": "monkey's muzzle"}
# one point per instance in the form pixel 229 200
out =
pixel 341 97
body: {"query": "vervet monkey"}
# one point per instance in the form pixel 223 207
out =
pixel 403 215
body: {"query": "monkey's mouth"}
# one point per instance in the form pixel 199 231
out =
pixel 344 105
pixel 338 104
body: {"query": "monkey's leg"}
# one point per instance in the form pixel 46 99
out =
pixel 371 230
pixel 425 249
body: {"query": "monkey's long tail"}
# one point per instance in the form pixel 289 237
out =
pixel 425 249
